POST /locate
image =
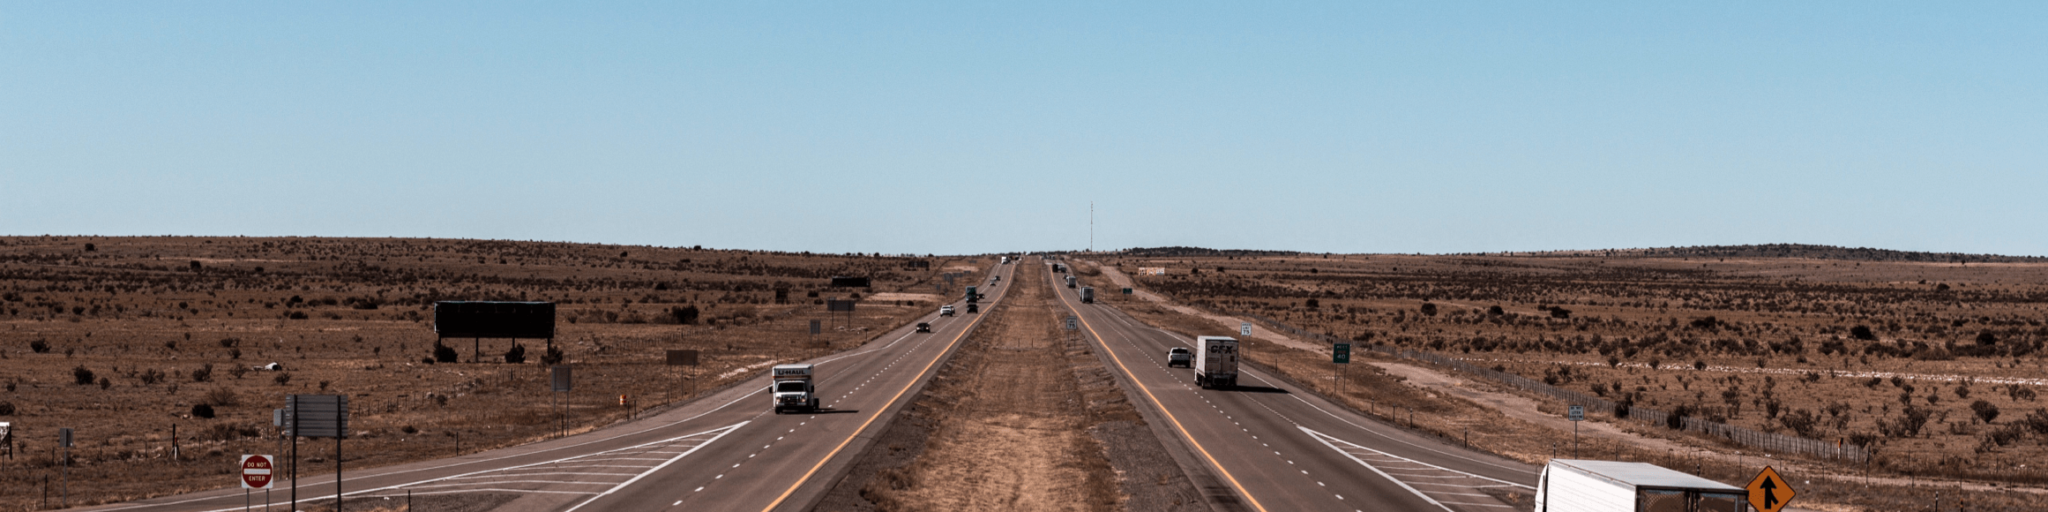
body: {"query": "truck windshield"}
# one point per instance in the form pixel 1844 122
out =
pixel 789 387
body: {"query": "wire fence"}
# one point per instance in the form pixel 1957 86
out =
pixel 1649 416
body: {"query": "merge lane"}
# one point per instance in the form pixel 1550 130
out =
pixel 786 462
pixel 1293 449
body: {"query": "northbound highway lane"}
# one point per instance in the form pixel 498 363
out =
pixel 1279 448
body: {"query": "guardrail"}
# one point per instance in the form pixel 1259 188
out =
pixel 1645 415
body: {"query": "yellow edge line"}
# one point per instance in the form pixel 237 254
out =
pixel 871 419
pixel 1162 406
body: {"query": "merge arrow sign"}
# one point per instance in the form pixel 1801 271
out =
pixel 1768 492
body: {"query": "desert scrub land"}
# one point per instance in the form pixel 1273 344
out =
pixel 1932 361
pixel 125 339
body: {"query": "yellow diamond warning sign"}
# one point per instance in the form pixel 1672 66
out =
pixel 1768 492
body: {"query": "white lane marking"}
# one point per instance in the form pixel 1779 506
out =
pixel 1404 485
pixel 636 478
pixel 1327 439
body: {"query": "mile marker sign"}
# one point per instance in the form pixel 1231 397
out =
pixel 256 472
pixel 1244 328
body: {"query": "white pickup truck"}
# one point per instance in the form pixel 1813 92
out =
pixel 792 387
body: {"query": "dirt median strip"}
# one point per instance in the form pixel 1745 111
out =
pixel 1024 417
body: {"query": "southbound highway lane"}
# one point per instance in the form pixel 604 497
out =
pixel 725 451
pixel 1280 448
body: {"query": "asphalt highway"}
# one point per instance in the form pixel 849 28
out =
pixel 725 451
pixel 1277 448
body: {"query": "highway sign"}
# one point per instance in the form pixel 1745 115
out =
pixel 1073 323
pixel 684 357
pixel 256 472
pixel 1769 492
pixel 1244 328
pixel 1578 413
pixel 558 378
pixel 1127 290
pixel 317 415
pixel 816 327
pixel 64 437
pixel 1341 354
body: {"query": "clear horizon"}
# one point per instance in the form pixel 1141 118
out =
pixel 1391 128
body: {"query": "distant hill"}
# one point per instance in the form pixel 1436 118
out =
pixel 1174 252
pixel 1825 252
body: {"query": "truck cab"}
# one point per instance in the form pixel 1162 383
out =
pixel 792 387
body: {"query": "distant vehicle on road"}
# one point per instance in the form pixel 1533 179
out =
pixel 1216 362
pixel 1059 268
pixel 1180 356
pixel 974 308
pixel 792 389
pixel 972 295
pixel 946 310
pixel 1006 260
pixel 1087 295
pixel 1609 486
pixel 924 327
pixel 1070 281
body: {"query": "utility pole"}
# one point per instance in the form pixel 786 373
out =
pixel 1091 226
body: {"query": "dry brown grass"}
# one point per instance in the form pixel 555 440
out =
pixel 353 316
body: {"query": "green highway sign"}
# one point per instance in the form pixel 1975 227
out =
pixel 1341 354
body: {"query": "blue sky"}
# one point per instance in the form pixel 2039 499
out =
pixel 977 127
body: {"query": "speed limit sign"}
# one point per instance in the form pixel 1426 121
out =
pixel 256 472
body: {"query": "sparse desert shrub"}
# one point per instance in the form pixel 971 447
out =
pixel 202 411
pixel 1984 410
pixel 282 378
pixel 1862 332
pixel 1429 309
pixel 6 408
pixel 82 376
pixel 230 342
pixel 203 374
pixel 444 354
pixel 106 383
pixel 552 357
pixel 516 354
pixel 1801 421
pixel 39 346
pixel 221 397
pixel 150 376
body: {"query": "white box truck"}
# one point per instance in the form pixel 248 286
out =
pixel 1070 281
pixel 792 387
pixel 1216 362
pixel 1568 485
pixel 1087 295
pixel 1006 260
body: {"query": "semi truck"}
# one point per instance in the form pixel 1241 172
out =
pixel 972 295
pixel 1087 295
pixel 1070 281
pixel 1006 260
pixel 1216 362
pixel 1059 268
pixel 793 387
pixel 1567 485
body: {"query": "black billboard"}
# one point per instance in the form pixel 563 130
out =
pixel 849 282
pixel 531 320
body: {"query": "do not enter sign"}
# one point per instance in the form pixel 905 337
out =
pixel 256 472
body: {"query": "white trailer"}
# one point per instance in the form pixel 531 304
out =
pixel 1087 295
pixel 1216 362
pixel 792 387
pixel 1568 485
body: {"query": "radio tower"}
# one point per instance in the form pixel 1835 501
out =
pixel 1091 226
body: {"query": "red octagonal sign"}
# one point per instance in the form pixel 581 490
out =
pixel 256 472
